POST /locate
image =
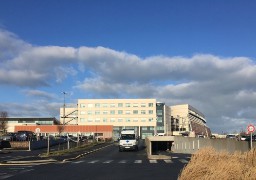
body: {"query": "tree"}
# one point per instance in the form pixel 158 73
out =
pixel 3 121
pixel 60 128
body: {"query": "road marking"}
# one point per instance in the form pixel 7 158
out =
pixel 153 161
pixel 168 161
pixel 138 161
pixel 92 162
pixel 183 160
pixel 175 157
pixel 109 161
pixel 77 162
pixel 123 161
pixel 6 176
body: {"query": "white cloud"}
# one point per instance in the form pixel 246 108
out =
pixel 224 89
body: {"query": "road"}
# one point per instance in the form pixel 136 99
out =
pixel 109 164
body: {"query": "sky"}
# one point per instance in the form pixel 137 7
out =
pixel 200 52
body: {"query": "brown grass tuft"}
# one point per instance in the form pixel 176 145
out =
pixel 209 164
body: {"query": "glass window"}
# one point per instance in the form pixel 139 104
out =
pixel 127 105
pixel 159 119
pixel 150 105
pixel 105 112
pixel 120 120
pixel 135 105
pixel 120 112
pixel 135 120
pixel 159 112
pixel 150 111
pixel 105 120
pixel 112 119
pixel 82 112
pixel 82 105
pixel 97 112
pixel 152 128
pixel 143 105
pixel 97 120
pixel 90 105
pixel 135 112
pixel 90 119
pixel 144 128
pixel 150 119
pixel 160 128
pixel 127 112
pixel 112 105
pixel 104 105
pixel 120 104
pixel 89 112
pixel 97 105
pixel 143 120
pixel 112 112
pixel 127 120
pixel 143 112
pixel 82 119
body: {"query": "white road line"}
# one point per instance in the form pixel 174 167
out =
pixel 77 162
pixel 175 157
pixel 6 176
pixel 108 161
pixel 123 161
pixel 92 162
pixel 153 161
pixel 138 161
pixel 183 160
pixel 168 161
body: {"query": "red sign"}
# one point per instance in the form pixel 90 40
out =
pixel 250 128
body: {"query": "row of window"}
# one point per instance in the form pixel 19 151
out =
pixel 112 112
pixel 105 105
pixel 116 120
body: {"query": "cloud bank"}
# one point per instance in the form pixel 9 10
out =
pixel 223 88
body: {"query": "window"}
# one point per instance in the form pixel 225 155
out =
pixel 120 120
pixel 120 104
pixel 82 119
pixel 90 119
pixel 135 105
pixel 150 111
pixel 90 112
pixel 135 112
pixel 143 120
pixel 143 112
pixel 97 105
pixel 90 105
pixel 135 120
pixel 127 112
pixel 150 105
pixel 105 112
pixel 105 120
pixel 82 105
pixel 97 120
pixel 160 128
pixel 143 105
pixel 112 105
pixel 144 128
pixel 97 112
pixel 112 112
pixel 112 119
pixel 127 105
pixel 82 112
pixel 127 120
pixel 150 119
pixel 159 119
pixel 152 128
pixel 104 105
pixel 120 112
pixel 159 112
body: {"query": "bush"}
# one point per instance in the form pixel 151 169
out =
pixel 207 163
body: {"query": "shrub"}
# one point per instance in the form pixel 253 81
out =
pixel 209 164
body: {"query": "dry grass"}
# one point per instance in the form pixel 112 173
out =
pixel 212 165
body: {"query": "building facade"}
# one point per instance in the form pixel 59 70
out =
pixel 147 116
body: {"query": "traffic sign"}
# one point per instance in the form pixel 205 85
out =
pixel 250 128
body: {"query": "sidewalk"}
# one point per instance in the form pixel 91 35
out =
pixel 68 156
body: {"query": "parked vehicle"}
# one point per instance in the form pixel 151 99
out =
pixel 8 137
pixel 25 136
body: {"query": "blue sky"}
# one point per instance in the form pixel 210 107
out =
pixel 199 52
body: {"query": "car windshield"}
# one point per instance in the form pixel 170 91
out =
pixel 127 136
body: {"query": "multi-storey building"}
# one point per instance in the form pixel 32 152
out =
pixel 139 114
pixel 146 116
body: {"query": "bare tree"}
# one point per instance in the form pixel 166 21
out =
pixel 60 128
pixel 3 121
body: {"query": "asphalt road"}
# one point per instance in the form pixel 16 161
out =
pixel 106 164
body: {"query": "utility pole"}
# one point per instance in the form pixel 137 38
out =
pixel 64 106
